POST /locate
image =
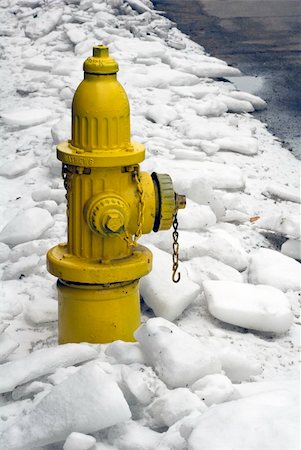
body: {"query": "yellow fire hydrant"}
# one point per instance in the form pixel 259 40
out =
pixel 110 204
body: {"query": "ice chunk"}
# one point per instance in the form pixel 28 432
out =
pixel 30 389
pixel 35 222
pixel 38 247
pixel 163 114
pixel 4 252
pixel 262 308
pixel 206 268
pixel 285 224
pixel 236 106
pixel 223 247
pixel 237 366
pixel 195 216
pixel 22 268
pixel 143 385
pixel 7 346
pixel 76 35
pixel 43 24
pixel 17 167
pixel 79 441
pixel 61 130
pixel 283 193
pixel 160 293
pixel 177 357
pixel 38 63
pixel 213 389
pixel 244 145
pixel 131 435
pixel 41 362
pixel 205 69
pixel 125 352
pixel 173 406
pixel 141 48
pixel 258 103
pixel 292 248
pixel 263 413
pixel 202 193
pixel 273 268
pixel 41 311
pixel 26 117
pixel 46 193
pixel 93 401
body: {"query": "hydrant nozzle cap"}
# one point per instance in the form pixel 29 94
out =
pixel 100 63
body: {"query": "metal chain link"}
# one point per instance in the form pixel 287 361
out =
pixel 127 237
pixel 175 253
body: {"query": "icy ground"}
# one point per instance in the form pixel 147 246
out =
pixel 217 368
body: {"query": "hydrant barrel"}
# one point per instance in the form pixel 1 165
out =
pixel 110 204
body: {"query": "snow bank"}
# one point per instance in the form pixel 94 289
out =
pixel 35 222
pixel 274 416
pixel 42 362
pixel 177 357
pixel 92 402
pixel 160 293
pixel 261 308
pixel 271 267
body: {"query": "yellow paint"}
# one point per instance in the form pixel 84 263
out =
pixel 110 203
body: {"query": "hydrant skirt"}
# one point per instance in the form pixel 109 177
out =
pixel 98 314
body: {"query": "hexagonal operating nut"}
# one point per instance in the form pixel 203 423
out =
pixel 113 221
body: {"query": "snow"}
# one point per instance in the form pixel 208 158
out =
pixel 160 293
pixel 25 117
pixel 262 308
pixel 200 130
pixel 275 269
pixel 125 352
pixel 244 145
pixel 79 441
pixel 93 402
pixel 7 346
pixel 237 366
pixel 173 406
pixel 36 221
pixel 17 167
pixel 283 193
pixel 41 311
pixel 177 357
pixel 213 389
pixel 205 268
pixel 292 248
pixel 41 362
pixel 263 413
pixel 285 225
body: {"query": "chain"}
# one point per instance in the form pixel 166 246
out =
pixel 127 237
pixel 175 253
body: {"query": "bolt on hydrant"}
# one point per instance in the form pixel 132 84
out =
pixel 110 204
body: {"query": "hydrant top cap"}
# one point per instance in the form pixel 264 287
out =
pixel 100 63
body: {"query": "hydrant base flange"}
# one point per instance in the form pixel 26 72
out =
pixel 71 268
pixel 98 314
pixel 132 154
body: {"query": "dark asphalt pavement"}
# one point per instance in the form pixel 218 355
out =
pixel 263 39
